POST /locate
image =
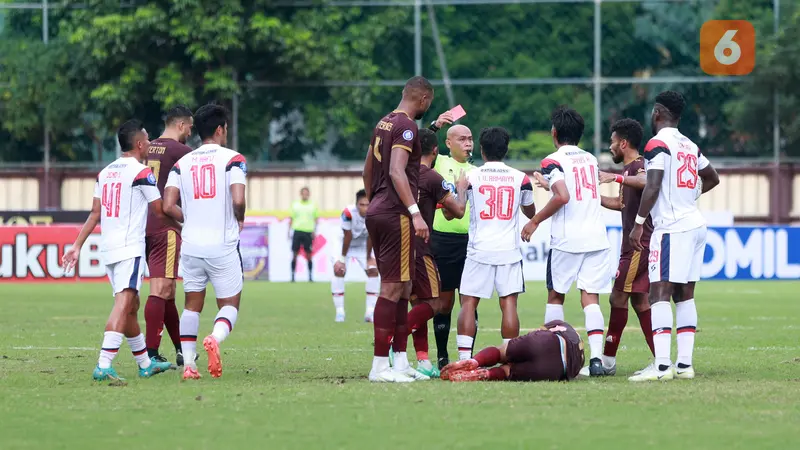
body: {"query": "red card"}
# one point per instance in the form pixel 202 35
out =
pixel 458 112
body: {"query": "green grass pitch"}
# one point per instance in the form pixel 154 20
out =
pixel 294 379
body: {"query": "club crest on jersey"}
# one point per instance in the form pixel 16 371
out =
pixel 151 178
pixel 408 135
pixel 448 186
pixel 243 166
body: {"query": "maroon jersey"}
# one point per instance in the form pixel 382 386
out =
pixel 630 198
pixel 162 155
pixel 573 351
pixel 432 191
pixel 395 132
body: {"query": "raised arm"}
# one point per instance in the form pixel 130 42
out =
pixel 526 201
pixel 455 207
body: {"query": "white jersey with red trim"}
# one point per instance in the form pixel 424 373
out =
pixel 353 222
pixel 125 189
pixel 204 177
pixel 577 227
pixel 495 194
pixel 681 160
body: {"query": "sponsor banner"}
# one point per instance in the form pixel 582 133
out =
pixel 34 253
pixel 25 218
pixel 254 249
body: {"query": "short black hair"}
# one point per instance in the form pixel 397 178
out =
pixel 360 194
pixel 127 132
pixel 208 117
pixel 419 85
pixel 630 130
pixel 428 140
pixel 494 143
pixel 305 188
pixel 673 101
pixel 568 124
pixel 175 113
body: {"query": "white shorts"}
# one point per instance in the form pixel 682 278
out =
pixel 592 270
pixel 126 274
pixel 224 273
pixel 677 257
pixel 360 256
pixel 481 280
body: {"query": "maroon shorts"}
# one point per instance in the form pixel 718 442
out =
pixel 163 252
pixel 393 240
pixel 632 273
pixel 426 281
pixel 535 356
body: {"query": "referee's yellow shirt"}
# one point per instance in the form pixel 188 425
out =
pixel 304 216
pixel 449 169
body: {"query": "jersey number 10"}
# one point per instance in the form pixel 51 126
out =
pixel 204 181
pixel 500 202
pixel 111 198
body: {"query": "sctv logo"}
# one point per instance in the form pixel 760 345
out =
pixel 752 253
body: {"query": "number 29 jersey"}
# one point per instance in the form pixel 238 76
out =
pixel 577 227
pixel 125 189
pixel 681 160
pixel 495 194
pixel 204 177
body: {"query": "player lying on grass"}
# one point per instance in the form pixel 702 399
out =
pixel 551 353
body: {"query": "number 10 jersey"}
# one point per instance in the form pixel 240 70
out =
pixel 495 194
pixel 204 177
pixel 681 160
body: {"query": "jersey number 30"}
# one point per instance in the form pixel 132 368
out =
pixel 204 181
pixel 500 202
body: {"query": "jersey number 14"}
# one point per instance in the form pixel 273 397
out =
pixel 204 181
pixel 582 180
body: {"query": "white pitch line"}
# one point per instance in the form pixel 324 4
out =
pixel 53 348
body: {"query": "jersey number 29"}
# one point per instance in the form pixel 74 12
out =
pixel 500 202
pixel 689 164
pixel 204 181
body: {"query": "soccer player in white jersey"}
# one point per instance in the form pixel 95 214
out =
pixel 210 184
pixel 124 191
pixel 495 194
pixel 579 247
pixel 673 164
pixel 355 246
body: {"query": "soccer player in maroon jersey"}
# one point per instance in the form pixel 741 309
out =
pixel 163 240
pixel 632 281
pixel 391 175
pixel 433 191
pixel 551 353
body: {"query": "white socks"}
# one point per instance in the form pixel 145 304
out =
pixel 108 351
pixel 661 316
pixel 594 328
pixel 380 364
pixel 686 325
pixel 553 312
pixel 464 344
pixel 224 323
pixel 401 362
pixel 373 289
pixel 139 350
pixel 190 323
pixel 337 289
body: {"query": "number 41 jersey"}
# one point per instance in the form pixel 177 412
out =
pixel 681 160
pixel 495 194
pixel 204 177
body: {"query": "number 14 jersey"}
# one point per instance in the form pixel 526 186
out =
pixel 204 177
pixel 495 194
pixel 577 227
pixel 680 159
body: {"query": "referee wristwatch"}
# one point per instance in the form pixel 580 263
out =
pixel 433 127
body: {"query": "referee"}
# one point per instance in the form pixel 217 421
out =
pixel 302 224
pixel 449 238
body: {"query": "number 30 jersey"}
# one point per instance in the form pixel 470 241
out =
pixel 204 177
pixel 495 194
pixel 125 189
pixel 577 227
pixel 680 159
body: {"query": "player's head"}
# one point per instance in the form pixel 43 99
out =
pixel 667 110
pixel 211 123
pixel 494 143
pixel 179 119
pixel 133 139
pixel 362 202
pixel 305 194
pixel 418 95
pixel 430 146
pixel 459 141
pixel 626 137
pixel 567 126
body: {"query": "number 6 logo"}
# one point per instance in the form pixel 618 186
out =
pixel 727 47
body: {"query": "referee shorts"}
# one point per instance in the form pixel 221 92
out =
pixel 450 252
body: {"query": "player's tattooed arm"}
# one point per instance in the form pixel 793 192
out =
pixel 455 208
pixel 611 203
pixel 171 197
pixel 71 257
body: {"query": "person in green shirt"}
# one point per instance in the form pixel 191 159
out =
pixel 449 238
pixel 302 225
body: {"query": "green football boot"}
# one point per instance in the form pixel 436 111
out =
pixel 154 368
